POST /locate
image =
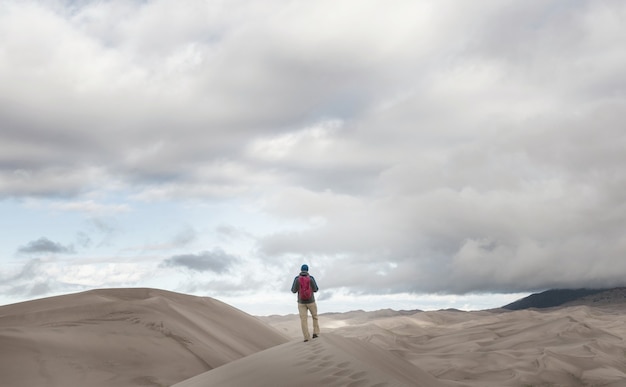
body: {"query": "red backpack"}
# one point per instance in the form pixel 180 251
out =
pixel 305 287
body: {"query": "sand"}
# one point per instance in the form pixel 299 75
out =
pixel 148 337
pixel 123 337
pixel 570 346
pixel 330 360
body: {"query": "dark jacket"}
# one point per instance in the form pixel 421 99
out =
pixel 295 287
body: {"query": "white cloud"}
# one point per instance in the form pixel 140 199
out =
pixel 92 207
pixel 100 275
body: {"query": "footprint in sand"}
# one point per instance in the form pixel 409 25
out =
pixel 301 353
pixel 344 364
pixel 342 373
pixel 327 381
pixel 358 383
pixel 358 380
pixel 315 369
pixel 358 375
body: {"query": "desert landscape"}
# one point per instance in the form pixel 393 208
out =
pixel 151 337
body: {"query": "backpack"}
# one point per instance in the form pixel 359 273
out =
pixel 305 288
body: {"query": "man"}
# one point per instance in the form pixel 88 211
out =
pixel 305 285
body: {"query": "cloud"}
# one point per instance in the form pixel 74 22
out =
pixel 100 231
pixel 185 236
pixel 83 239
pixel 89 206
pixel 217 88
pixel 229 232
pixel 216 261
pixel 540 235
pixel 429 147
pixel 38 277
pixel 31 280
pixel 44 245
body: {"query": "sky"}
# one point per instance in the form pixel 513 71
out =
pixel 415 154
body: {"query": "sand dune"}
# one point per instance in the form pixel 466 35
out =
pixel 329 360
pixel 573 346
pixel 123 337
pixel 147 337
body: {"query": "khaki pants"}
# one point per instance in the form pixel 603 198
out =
pixel 303 309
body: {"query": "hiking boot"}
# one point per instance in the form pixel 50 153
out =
pixel 315 335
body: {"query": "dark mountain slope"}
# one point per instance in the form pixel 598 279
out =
pixel 565 297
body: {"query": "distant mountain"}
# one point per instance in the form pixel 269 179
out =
pixel 570 297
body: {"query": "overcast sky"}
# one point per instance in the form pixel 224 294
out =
pixel 416 154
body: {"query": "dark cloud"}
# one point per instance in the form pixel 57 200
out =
pixel 229 232
pixel 31 270
pixel 33 279
pixel 45 245
pixel 39 289
pixel 541 235
pixel 83 239
pixel 185 236
pixel 216 261
pixel 104 228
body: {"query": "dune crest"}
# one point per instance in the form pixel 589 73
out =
pixel 123 337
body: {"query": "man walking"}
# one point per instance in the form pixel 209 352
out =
pixel 305 285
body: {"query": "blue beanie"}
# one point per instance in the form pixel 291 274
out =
pixel 304 267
